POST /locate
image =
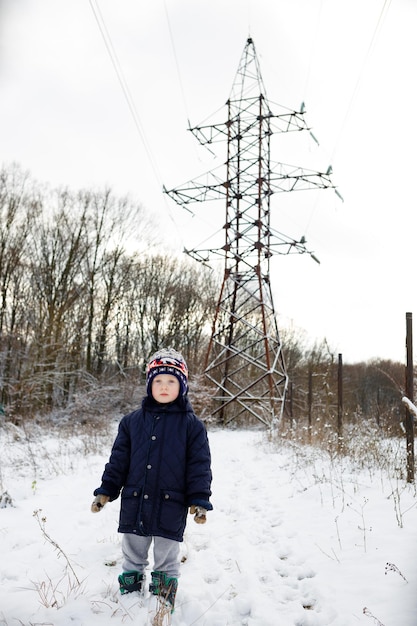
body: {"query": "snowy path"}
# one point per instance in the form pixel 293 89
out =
pixel 281 548
pixel 248 556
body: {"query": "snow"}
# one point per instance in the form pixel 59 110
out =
pixel 297 538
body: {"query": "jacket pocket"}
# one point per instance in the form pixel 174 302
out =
pixel 129 508
pixel 172 512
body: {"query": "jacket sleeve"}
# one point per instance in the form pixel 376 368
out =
pixel 116 470
pixel 199 474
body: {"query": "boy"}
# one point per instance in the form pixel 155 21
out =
pixel 160 461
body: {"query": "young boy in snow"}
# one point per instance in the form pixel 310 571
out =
pixel 160 461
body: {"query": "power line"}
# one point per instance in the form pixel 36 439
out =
pixel 377 28
pixel 130 101
pixel 381 17
pixel 123 83
pixel 176 62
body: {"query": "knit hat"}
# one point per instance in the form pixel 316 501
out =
pixel 167 361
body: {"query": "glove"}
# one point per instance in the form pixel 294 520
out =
pixel 199 514
pixel 98 502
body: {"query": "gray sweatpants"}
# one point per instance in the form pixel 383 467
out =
pixel 165 554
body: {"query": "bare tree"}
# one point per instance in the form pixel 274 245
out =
pixel 115 272
pixel 57 250
pixel 114 226
pixel 195 301
pixel 173 302
pixel 19 205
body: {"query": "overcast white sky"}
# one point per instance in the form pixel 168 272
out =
pixel 65 118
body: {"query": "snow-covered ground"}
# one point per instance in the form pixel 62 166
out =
pixel 295 539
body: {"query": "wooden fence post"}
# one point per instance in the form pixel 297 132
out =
pixel 310 402
pixel 340 403
pixel 409 392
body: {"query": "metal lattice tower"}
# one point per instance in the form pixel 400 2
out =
pixel 245 361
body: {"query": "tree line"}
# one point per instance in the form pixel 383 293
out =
pixel 86 292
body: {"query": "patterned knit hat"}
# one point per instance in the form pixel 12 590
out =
pixel 167 361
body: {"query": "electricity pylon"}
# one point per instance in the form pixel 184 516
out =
pixel 244 360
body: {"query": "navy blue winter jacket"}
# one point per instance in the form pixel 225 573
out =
pixel 161 461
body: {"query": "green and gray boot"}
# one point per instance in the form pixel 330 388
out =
pixel 131 581
pixel 165 587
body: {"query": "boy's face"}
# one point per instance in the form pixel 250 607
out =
pixel 165 388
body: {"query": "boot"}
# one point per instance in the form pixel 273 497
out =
pixel 165 587
pixel 131 581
